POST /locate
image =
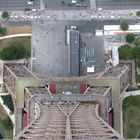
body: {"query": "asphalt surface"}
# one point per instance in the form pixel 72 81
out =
pixel 15 5
pixel 97 24
pixel 49 48
pixel 97 43
pixel 66 4
pixel 118 4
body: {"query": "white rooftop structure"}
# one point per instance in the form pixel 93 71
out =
pixel 115 29
pixel 99 32
pixel 115 55
pixel 90 69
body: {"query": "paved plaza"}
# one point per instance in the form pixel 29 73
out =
pixel 49 49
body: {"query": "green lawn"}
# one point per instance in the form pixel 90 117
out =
pixel 131 116
pixel 2 130
pixel 25 41
pixel 6 133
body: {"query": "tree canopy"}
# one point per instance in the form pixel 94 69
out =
pixel 8 102
pixel 7 123
pixel 5 15
pixel 14 52
pixel 2 31
pixel 137 41
pixel 138 13
pixel 125 52
pixel 1 137
pixel 130 38
pixel 124 26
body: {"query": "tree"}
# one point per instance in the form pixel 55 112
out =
pixel 7 123
pixel 136 52
pixel 14 52
pixel 8 102
pixel 5 15
pixel 63 2
pixel 1 137
pixel 138 13
pixel 2 31
pixel 136 55
pixel 130 38
pixel 137 41
pixel 124 26
pixel 125 52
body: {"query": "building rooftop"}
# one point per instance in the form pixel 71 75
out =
pixel 74 47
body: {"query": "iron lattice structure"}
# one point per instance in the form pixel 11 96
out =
pixel 68 121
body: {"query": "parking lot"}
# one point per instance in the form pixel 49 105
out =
pixel 66 4
pixel 118 4
pixel 18 5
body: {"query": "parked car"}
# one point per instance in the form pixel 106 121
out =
pixel 27 9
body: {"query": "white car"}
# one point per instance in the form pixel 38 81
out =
pixel 30 2
pixel 112 17
pixel 34 10
pixel 74 1
pixel 100 9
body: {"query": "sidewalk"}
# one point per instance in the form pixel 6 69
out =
pixel 15 35
pixel 131 93
pixel 74 14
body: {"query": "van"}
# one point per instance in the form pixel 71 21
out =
pixel 74 1
pixel 100 9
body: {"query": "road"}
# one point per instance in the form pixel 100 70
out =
pixel 118 4
pixel 66 5
pixel 17 5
